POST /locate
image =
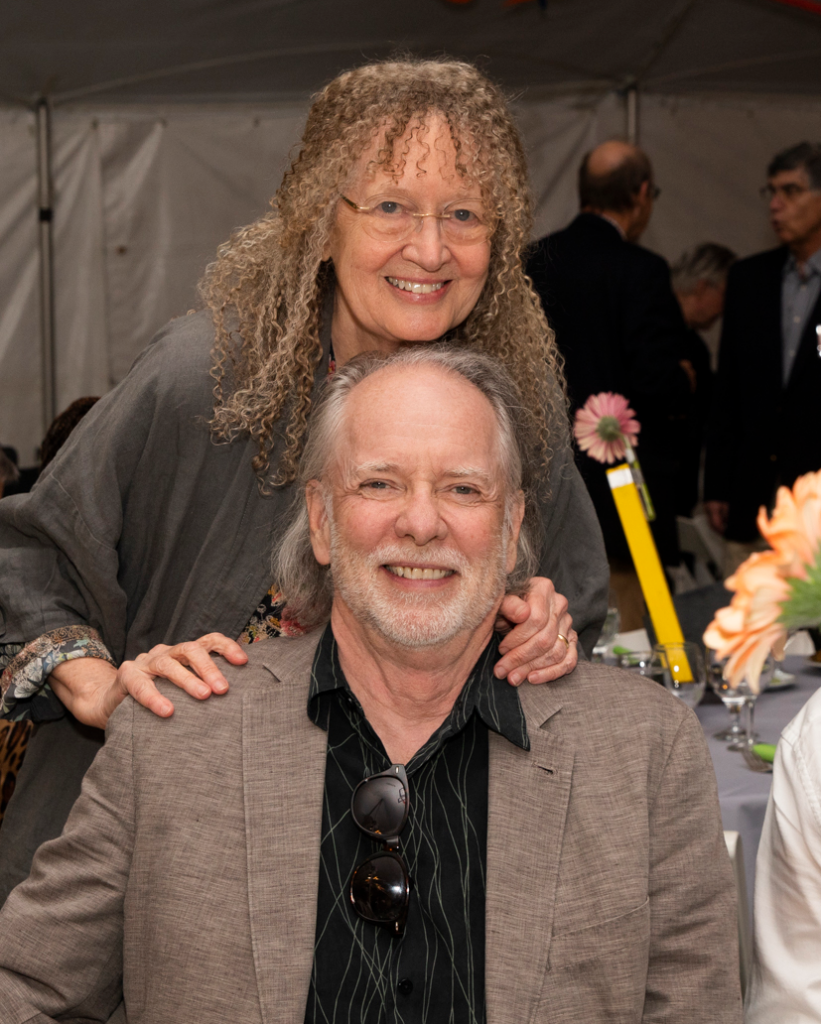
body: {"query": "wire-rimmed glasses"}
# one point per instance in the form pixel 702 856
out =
pixel 386 218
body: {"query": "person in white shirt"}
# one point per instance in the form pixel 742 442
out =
pixel 786 982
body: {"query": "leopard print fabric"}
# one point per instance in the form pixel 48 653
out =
pixel 14 737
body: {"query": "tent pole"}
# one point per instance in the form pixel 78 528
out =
pixel 631 98
pixel 44 196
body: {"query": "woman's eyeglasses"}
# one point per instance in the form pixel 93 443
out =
pixel 394 220
pixel 380 885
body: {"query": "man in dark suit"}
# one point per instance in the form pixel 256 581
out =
pixel 620 329
pixel 765 430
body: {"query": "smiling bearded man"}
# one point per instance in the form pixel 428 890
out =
pixel 389 833
pixel 420 547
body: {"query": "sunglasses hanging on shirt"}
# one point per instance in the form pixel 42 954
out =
pixel 380 885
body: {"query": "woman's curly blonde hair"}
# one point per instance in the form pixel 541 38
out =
pixel 267 288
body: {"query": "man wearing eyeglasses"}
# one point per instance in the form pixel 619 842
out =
pixel 620 329
pixel 765 429
pixel 369 826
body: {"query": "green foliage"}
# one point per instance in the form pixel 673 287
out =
pixel 802 608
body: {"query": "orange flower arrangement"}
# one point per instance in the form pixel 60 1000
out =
pixel 775 590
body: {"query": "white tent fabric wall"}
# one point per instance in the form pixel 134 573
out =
pixel 19 317
pixel 142 199
pixel 557 134
pixel 144 196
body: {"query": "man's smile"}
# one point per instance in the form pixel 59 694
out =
pixel 415 572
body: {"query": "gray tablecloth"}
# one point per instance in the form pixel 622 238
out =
pixel 743 793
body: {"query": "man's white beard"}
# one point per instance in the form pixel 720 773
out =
pixel 425 618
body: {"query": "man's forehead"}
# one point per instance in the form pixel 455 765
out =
pixel 423 398
pixel 405 418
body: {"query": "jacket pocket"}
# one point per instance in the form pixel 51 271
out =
pixel 598 973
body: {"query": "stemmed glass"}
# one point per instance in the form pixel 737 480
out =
pixel 751 697
pixel 737 699
pixel 680 666
pixel 608 633
pixel 733 701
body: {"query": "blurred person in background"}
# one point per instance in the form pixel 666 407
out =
pixel 699 278
pixel 619 329
pixel 764 429
pixel 59 431
pixel 9 471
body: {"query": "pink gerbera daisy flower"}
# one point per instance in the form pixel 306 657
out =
pixel 602 424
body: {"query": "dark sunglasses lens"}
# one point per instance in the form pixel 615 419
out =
pixel 380 888
pixel 380 805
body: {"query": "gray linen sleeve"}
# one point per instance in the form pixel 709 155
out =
pixel 61 931
pixel 693 958
pixel 61 565
pixel 573 554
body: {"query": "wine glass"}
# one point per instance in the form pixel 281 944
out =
pixel 733 701
pixel 680 666
pixel 750 697
pixel 608 633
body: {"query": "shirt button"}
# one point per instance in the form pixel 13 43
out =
pixel 405 987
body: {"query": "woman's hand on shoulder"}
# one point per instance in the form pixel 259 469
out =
pixel 541 643
pixel 91 689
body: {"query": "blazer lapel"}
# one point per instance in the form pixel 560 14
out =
pixel 284 781
pixel 528 796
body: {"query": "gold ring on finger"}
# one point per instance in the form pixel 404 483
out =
pixel 563 637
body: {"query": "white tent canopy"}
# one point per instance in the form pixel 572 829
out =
pixel 172 124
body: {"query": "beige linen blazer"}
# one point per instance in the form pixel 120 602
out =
pixel 183 889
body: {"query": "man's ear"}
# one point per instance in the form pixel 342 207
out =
pixel 319 522
pixel 517 514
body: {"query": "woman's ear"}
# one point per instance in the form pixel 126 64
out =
pixel 318 521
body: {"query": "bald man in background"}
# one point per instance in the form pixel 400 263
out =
pixel 620 329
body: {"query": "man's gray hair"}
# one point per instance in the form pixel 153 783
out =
pixel 307 585
pixel 708 262
pixel 805 156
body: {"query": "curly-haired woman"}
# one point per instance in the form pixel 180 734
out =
pixel 401 220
